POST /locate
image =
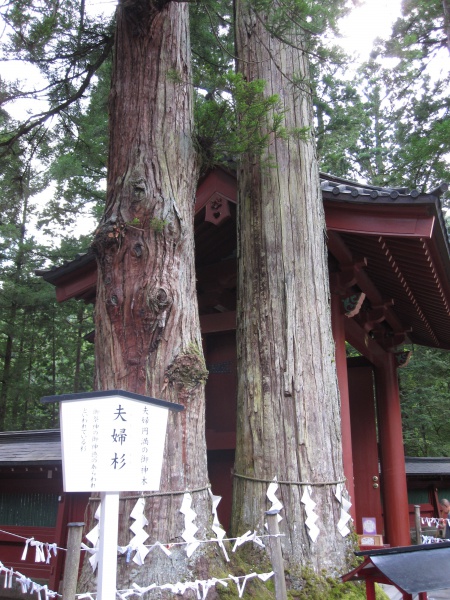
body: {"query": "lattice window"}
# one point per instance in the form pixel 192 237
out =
pixel 28 509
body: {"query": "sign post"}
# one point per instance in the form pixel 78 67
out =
pixel 112 441
pixel 107 551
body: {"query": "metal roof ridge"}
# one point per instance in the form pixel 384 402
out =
pixel 358 184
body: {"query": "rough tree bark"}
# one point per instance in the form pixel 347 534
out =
pixel 288 400
pixel 147 326
pixel 23 182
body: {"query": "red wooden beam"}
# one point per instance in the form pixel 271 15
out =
pixel 360 339
pixel 337 322
pixel 77 285
pixel 377 222
pixel 395 495
pixel 217 180
pixel 214 323
pixel 342 253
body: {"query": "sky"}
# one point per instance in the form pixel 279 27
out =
pixel 374 18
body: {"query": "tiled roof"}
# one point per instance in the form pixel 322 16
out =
pixel 67 266
pixel 20 448
pixel 399 233
pixel 338 186
pixel 427 465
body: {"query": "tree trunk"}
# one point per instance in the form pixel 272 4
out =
pixel 23 194
pixel 288 400
pixel 147 327
pixel 21 392
pixel 78 348
pixel 446 11
pixel 7 362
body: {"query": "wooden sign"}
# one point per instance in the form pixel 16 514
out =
pixel 112 441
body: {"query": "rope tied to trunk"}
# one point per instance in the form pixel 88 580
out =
pixel 317 483
pixel 156 494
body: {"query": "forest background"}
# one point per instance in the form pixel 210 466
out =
pixel 386 123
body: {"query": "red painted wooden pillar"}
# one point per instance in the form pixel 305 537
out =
pixel 60 539
pixel 396 518
pixel 370 590
pixel 337 321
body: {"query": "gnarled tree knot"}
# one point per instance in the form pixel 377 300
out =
pixel 188 370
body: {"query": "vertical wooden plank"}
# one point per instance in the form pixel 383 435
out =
pixel 417 523
pixel 107 552
pixel 72 560
pixel 276 555
pixel 370 590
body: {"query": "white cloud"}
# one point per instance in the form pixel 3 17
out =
pixel 374 18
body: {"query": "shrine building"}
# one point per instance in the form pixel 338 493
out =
pixel 389 269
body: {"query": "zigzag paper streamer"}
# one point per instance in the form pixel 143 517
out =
pixel 26 584
pixel 241 586
pixel 140 535
pixel 40 556
pixel 166 551
pixel 216 526
pixel 248 537
pixel 276 504
pixel 51 548
pixel 200 587
pixel 429 539
pixel 94 536
pixel 25 550
pixel 345 507
pixel 8 575
pixel 125 595
pixel 311 517
pixel 190 529
pixel 40 546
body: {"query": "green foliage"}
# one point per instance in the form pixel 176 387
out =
pixel 158 224
pixel 241 120
pixel 41 342
pixel 221 96
pixel 389 125
pixel 64 46
pixel 341 119
pixel 321 587
pixel 42 350
pixel 420 33
pixel 77 166
pixel 212 40
pixel 425 398
pixel 295 20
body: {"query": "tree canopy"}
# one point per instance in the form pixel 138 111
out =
pixel 388 126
